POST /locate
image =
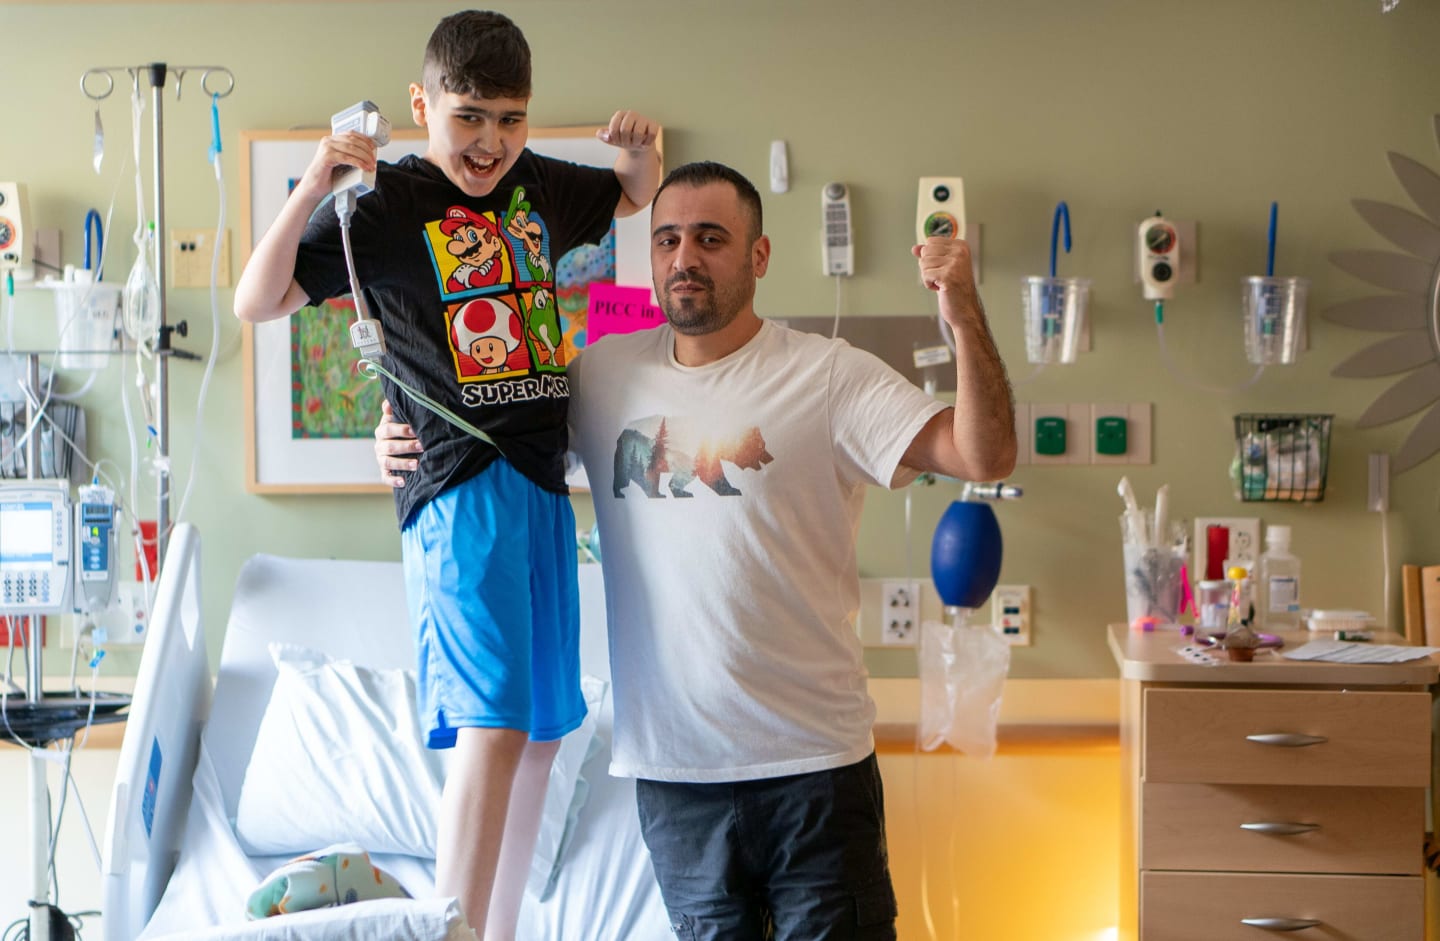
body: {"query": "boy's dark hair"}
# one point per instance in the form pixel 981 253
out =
pixel 479 54
pixel 704 172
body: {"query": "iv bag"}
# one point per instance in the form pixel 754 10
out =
pixel 962 674
pixel 140 302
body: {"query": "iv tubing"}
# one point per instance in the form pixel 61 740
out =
pixel 1174 368
pixel 214 323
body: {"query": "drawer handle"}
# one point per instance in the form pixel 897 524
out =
pixel 1280 829
pixel 1281 924
pixel 1287 739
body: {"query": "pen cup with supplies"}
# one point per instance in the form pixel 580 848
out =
pixel 1154 569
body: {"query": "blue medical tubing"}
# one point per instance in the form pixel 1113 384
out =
pixel 1270 252
pixel 94 226
pixel 214 127
pixel 965 554
pixel 1062 211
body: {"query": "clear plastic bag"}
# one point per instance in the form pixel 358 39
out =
pixel 962 674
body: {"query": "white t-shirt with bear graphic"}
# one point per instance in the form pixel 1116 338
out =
pixel 728 497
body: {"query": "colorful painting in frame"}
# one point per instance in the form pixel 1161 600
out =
pixel 310 417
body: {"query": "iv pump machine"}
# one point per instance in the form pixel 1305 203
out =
pixel 42 534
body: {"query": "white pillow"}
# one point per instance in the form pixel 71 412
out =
pixel 566 793
pixel 339 757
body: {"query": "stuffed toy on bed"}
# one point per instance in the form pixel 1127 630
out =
pixel 336 875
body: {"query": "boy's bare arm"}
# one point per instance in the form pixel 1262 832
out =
pixel 267 288
pixel 638 164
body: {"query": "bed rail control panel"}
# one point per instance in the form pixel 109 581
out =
pixel 34 547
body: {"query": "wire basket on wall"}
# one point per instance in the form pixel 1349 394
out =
pixel 1281 457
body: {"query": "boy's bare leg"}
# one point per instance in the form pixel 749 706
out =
pixel 522 828
pixel 473 810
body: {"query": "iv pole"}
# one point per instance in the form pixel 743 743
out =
pixel 156 73
pixel 40 836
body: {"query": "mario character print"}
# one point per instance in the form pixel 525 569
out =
pixel 489 340
pixel 528 241
pixel 474 254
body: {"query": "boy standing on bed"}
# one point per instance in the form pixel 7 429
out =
pixel 487 535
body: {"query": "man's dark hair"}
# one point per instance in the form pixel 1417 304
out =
pixel 704 172
pixel 479 54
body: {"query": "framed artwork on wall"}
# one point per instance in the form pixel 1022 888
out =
pixel 309 414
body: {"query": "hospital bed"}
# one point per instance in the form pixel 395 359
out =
pixel 187 841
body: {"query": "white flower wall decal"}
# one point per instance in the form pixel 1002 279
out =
pixel 1411 311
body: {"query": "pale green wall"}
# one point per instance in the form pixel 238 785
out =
pixel 1206 110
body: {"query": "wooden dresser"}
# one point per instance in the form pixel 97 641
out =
pixel 1274 798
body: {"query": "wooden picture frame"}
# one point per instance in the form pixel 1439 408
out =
pixel 281 455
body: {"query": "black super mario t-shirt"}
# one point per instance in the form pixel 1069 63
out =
pixel 464 289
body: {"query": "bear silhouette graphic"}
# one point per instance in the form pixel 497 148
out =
pixel 642 457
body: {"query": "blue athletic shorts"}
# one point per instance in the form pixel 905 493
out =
pixel 495 605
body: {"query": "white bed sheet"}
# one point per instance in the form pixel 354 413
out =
pixel 606 890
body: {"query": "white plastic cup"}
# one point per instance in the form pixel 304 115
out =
pixel 1274 311
pixel 1055 310
pixel 87 314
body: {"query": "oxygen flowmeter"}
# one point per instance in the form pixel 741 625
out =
pixel 1159 247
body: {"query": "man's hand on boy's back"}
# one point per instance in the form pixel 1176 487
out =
pixel 351 149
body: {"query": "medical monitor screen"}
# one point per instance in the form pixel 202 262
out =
pixel 27 534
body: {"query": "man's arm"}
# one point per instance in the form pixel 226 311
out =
pixel 638 164
pixel 975 440
pixel 393 441
pixel 267 288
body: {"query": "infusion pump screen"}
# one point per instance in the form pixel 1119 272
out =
pixel 27 535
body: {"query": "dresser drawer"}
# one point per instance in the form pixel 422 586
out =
pixel 1213 907
pixel 1238 736
pixel 1267 828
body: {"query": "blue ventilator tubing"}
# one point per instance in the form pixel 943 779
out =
pixel 965 554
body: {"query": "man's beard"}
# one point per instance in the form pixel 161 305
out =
pixel 699 314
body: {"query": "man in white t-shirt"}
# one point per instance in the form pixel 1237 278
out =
pixel 728 458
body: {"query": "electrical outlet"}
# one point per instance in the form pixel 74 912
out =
pixel 1136 416
pixel 899 612
pixel 1049 434
pixel 191 253
pixel 1010 613
pixel 1243 544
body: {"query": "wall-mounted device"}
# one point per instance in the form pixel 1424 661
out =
pixel 95 556
pixel 837 242
pixel 364 117
pixel 779 167
pixel 1159 248
pixel 15 240
pixel 940 208
pixel 34 547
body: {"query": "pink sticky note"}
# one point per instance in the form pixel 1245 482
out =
pixel 617 309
